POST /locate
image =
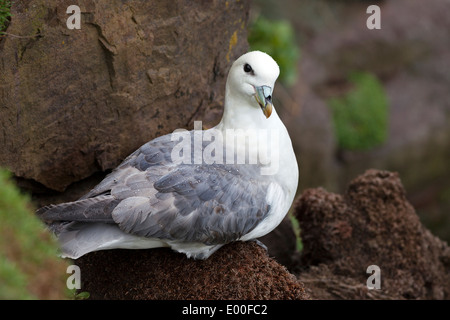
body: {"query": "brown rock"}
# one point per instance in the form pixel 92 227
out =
pixel 74 102
pixel 371 224
pixel 236 271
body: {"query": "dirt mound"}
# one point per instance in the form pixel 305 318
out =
pixel 236 271
pixel 371 224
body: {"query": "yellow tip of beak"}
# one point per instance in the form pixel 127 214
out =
pixel 267 110
pixel 263 95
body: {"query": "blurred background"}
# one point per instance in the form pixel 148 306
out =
pixel 74 104
pixel 354 98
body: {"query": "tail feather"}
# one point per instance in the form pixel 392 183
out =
pixel 78 238
pixel 97 209
pixel 86 225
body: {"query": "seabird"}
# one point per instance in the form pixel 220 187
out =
pixel 234 182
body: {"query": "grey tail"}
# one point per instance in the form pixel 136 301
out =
pixel 96 209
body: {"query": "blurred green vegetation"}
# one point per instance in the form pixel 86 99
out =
pixel 297 231
pixel 277 39
pixel 360 116
pixel 29 266
pixel 13 282
pixel 5 13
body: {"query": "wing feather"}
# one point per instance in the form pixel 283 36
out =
pixel 208 203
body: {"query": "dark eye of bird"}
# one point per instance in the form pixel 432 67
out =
pixel 248 68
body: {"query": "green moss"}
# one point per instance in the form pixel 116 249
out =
pixel 296 228
pixel 29 266
pixel 5 13
pixel 360 116
pixel 13 282
pixel 277 39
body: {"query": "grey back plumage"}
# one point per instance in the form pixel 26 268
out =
pixel 149 195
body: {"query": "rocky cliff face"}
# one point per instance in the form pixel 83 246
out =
pixel 74 102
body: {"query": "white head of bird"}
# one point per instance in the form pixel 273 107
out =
pixel 250 85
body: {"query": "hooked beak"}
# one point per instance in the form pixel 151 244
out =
pixel 263 96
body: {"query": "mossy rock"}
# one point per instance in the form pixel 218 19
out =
pixel 29 265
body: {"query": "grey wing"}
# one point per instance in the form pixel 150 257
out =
pixel 153 153
pixel 148 195
pixel 98 204
pixel 211 204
